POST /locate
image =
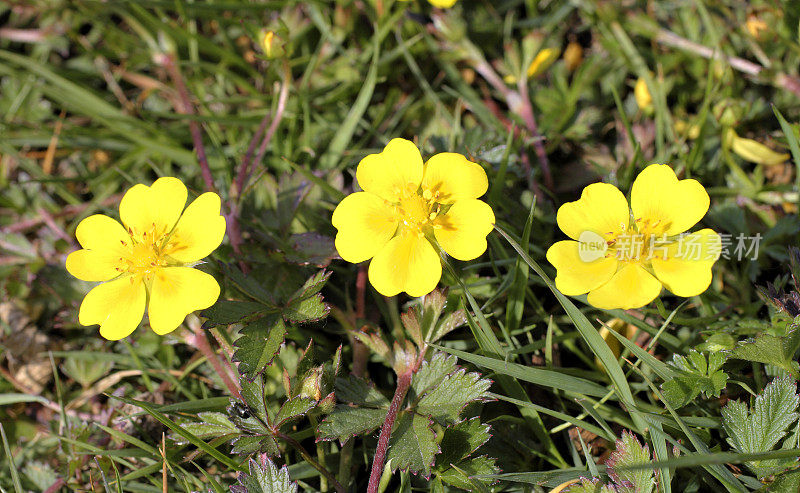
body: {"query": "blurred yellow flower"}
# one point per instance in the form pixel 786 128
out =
pixel 148 261
pixel 622 256
pixel 573 55
pixel 752 150
pixel 642 95
pixel 542 61
pixel 407 207
pixel 442 4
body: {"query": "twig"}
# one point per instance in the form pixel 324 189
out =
pixel 403 383
pixel 781 80
pixel 307 457
pixel 186 108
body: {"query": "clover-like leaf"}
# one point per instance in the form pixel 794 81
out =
pixel 762 427
pixel 265 478
pixel 695 374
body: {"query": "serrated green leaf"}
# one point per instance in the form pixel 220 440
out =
pixel 293 408
pixel 760 429
pixel 768 349
pixel 464 474
pixel 695 374
pixel 359 391
pixel 412 445
pixel 431 373
pixel 226 312
pixel 264 479
pixel 629 452
pixel 460 441
pixel 445 401
pixel 306 310
pixel 258 345
pixel 346 422
pixel 311 287
pixel 250 444
pixel 788 482
pixel 211 425
pixel 253 395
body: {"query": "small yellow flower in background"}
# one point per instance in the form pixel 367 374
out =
pixel 542 61
pixel 622 256
pixel 442 4
pixel 642 95
pixel 148 261
pixel 573 55
pixel 405 207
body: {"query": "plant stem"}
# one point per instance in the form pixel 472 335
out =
pixel 198 337
pixel 307 457
pixel 323 481
pixel 403 383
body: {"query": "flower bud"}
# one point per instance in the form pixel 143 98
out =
pixel 543 60
pixel 271 44
pixel 754 151
pixel 573 56
pixel 642 95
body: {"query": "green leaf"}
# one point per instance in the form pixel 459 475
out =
pixel 463 475
pixel 431 373
pixel 250 444
pixel 266 478
pixel 768 349
pixel 589 486
pixel 293 408
pixel 630 452
pixel 258 345
pixel 211 425
pixel 253 395
pixel 226 312
pixel 307 310
pixel 788 482
pixel 359 391
pixel 695 375
pixel 461 440
pixel 762 427
pixel 346 422
pixel 412 445
pixel 445 401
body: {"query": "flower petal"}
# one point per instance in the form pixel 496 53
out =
pixel 154 209
pixel 99 232
pixel 686 270
pixel 602 209
pixel 464 228
pixel 657 195
pixel 454 178
pixel 94 265
pixel 365 223
pixel 407 263
pixel 395 171
pixel 117 306
pixel 199 230
pixel 631 287
pixel 177 292
pixel 575 276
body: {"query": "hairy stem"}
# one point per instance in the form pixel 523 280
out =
pixel 403 383
pixel 307 457
pixel 200 341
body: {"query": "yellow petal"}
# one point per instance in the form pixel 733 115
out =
pixel 631 287
pixel 641 94
pixel 686 271
pixel 154 209
pixel 542 61
pixel 602 209
pixel 99 232
pixel 658 197
pixel 464 228
pixel 395 171
pixel 94 265
pixel 365 223
pixel 574 276
pixel 443 4
pixel 407 263
pixel 177 292
pixel 199 230
pixel 450 177
pixel 756 152
pixel 117 306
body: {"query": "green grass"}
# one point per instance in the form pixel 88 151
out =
pixel 88 109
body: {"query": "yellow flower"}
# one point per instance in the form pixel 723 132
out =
pixel 442 4
pixel 149 260
pixel 642 95
pixel 573 55
pixel 542 61
pixel 405 208
pixel 623 256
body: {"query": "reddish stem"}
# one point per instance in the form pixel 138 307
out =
pixel 403 383
pixel 200 341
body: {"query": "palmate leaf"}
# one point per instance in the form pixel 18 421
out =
pixel 695 374
pixel 264 479
pixel 762 427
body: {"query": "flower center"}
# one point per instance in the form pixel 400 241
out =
pixel 417 212
pixel 144 253
pixel 644 240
